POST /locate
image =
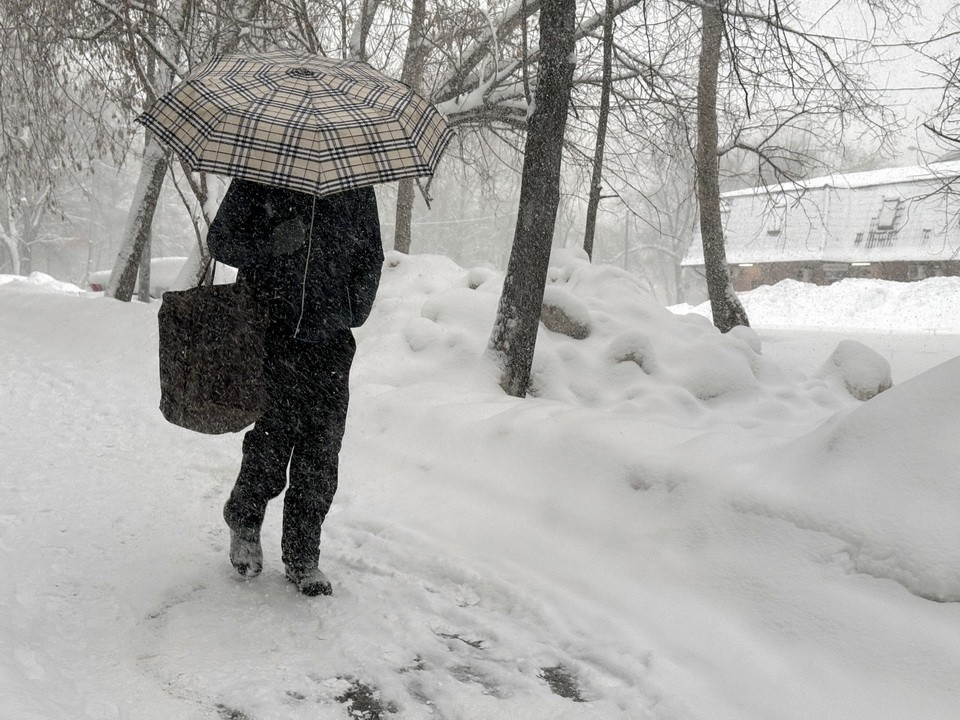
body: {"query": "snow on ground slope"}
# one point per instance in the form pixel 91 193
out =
pixel 675 526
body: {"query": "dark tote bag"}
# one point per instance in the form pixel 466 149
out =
pixel 211 358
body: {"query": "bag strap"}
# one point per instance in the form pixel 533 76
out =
pixel 206 269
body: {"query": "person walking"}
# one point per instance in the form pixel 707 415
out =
pixel 314 263
pixel 305 138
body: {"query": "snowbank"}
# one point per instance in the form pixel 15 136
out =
pixel 433 321
pixel 931 305
pixel 882 479
pixel 41 282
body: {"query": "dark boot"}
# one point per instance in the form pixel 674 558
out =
pixel 309 581
pixel 246 555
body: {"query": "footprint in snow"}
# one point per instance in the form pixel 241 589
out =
pixel 409 632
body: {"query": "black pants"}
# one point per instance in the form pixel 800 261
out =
pixel 308 390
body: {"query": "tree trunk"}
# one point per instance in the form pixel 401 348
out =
pixel 596 181
pixel 414 60
pixel 31 212
pixel 144 275
pixel 9 232
pixel 361 30
pixel 244 12
pixel 514 334
pixel 11 245
pixel 726 307
pixel 137 231
pixel 402 231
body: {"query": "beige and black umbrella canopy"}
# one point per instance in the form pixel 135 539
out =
pixel 299 121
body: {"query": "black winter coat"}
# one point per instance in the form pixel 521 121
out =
pixel 316 283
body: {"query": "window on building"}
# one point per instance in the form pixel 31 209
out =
pixel 858 239
pixel 888 214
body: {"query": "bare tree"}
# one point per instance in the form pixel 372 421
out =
pixel 944 125
pixel 603 116
pixel 727 310
pixel 414 63
pixel 780 80
pixel 48 129
pixel 518 315
pixel 159 77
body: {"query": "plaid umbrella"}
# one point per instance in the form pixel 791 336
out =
pixel 300 121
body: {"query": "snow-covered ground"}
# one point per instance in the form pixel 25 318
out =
pixel 678 524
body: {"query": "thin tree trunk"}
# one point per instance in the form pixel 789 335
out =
pixel 596 186
pixel 31 211
pixel 414 60
pixel 514 334
pixel 10 232
pixel 726 307
pixel 402 232
pixel 152 170
pixel 626 241
pixel 144 275
pixel 137 231
pixel 244 12
pixel 361 30
pixel 14 252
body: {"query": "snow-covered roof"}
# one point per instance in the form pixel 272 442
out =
pixel 941 171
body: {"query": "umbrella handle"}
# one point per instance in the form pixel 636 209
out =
pixel 306 267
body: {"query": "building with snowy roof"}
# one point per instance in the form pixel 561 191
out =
pixel 895 224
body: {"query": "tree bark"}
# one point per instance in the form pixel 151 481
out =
pixel 244 12
pixel 137 231
pixel 726 307
pixel 514 334
pixel 143 294
pixel 361 30
pixel 403 227
pixel 11 245
pixel 593 203
pixel 414 60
